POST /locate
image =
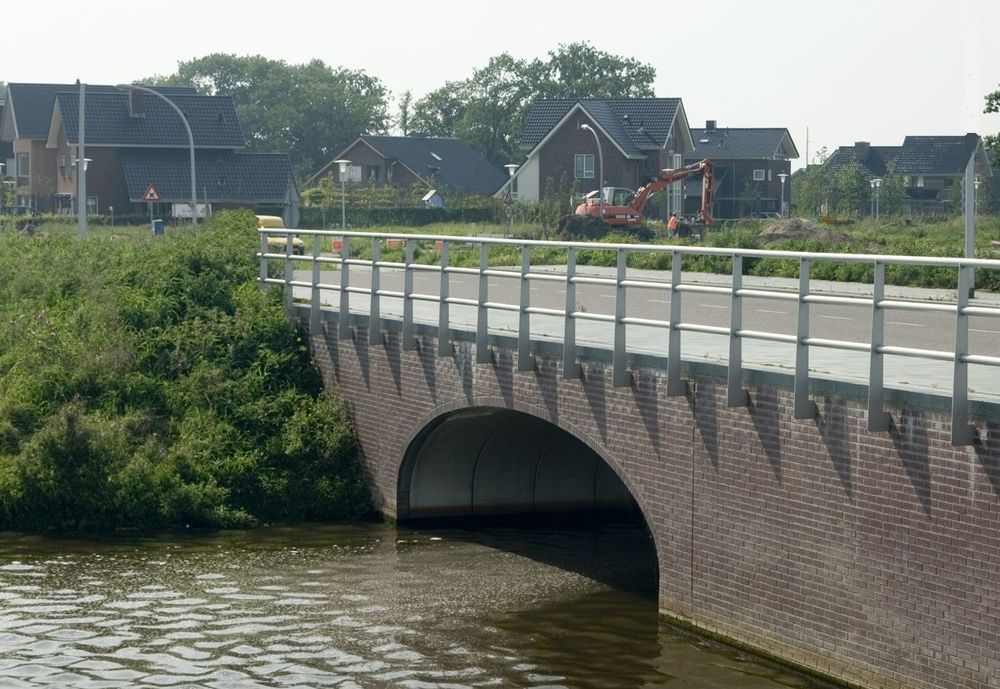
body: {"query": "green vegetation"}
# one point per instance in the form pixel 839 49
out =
pixel 899 236
pixel 151 383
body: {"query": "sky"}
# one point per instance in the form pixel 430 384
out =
pixel 843 70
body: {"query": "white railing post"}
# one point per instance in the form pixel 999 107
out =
pixel 571 369
pixel 525 361
pixel 344 316
pixel 804 407
pixel 483 354
pixel 961 432
pixel 878 420
pixel 263 259
pixel 444 341
pixel 409 340
pixel 374 319
pixel 314 305
pixel 289 274
pixel 736 396
pixel 675 386
pixel 622 377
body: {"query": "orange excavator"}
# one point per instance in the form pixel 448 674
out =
pixel 622 208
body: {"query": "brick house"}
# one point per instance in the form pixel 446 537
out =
pixel 133 141
pixel 748 163
pixel 933 167
pixel 415 161
pixel 638 138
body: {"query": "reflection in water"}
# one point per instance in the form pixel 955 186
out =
pixel 362 606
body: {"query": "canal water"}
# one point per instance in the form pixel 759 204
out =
pixel 351 606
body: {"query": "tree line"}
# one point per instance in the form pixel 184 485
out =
pixel 313 111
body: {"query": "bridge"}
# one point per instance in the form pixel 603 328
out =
pixel 821 511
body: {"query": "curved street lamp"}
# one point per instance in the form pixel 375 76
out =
pixel 343 164
pixel 600 169
pixel 187 128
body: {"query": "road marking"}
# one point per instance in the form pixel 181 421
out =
pixel 711 306
pixel 837 318
pixel 988 332
pixel 781 313
pixel 912 325
pixel 608 296
pixel 658 301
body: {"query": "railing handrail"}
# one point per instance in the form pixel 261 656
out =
pixel 941 261
pixel 673 282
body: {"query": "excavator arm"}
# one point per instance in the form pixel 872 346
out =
pixel 666 177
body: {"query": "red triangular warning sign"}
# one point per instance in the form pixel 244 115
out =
pixel 151 194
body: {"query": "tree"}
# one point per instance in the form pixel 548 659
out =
pixel 579 70
pixel 311 111
pixel 849 189
pixel 405 112
pixel 487 109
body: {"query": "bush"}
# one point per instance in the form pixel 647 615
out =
pixel 150 383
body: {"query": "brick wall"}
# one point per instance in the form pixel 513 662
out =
pixel 871 558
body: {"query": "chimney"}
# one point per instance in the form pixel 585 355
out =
pixel 861 149
pixel 135 103
pixel 710 125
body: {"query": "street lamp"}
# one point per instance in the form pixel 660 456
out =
pixel 187 128
pixel 509 200
pixel 876 185
pixel 600 169
pixel 782 176
pixel 344 164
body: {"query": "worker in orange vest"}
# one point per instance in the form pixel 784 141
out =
pixel 672 225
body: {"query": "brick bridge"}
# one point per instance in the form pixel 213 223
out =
pixel 848 529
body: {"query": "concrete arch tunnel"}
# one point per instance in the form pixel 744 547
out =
pixel 487 462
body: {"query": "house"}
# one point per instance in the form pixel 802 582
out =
pixel 628 139
pixel 415 161
pixel 748 163
pixel 933 167
pixel 136 142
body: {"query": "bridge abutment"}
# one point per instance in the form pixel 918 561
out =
pixel 868 557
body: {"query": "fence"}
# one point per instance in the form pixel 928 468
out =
pixel 878 420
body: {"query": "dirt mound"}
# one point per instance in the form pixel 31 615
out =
pixel 800 228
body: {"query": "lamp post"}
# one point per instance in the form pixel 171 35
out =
pixel 344 164
pixel 782 176
pixel 600 170
pixel 187 128
pixel 81 170
pixel 509 200
pixel 876 185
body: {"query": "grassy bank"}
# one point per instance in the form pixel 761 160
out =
pixel 901 236
pixel 151 383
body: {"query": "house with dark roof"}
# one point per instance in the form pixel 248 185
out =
pixel 415 161
pixel 638 137
pixel 135 142
pixel 932 167
pixel 748 162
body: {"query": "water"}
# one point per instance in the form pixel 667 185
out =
pixel 350 606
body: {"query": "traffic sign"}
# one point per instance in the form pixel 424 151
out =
pixel 152 194
pixel 508 209
pixel 507 198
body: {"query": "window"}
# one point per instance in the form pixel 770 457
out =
pixel 920 180
pixel 23 170
pixel 770 175
pixel 583 165
pixel 949 181
pixel 371 173
pixel 758 175
pixel 91 205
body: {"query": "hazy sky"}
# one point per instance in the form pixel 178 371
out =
pixel 848 70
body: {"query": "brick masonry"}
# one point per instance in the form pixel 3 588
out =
pixel 871 558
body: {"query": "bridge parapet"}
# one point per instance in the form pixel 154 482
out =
pixel 484 261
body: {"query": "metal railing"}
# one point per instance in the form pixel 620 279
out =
pixel 803 341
